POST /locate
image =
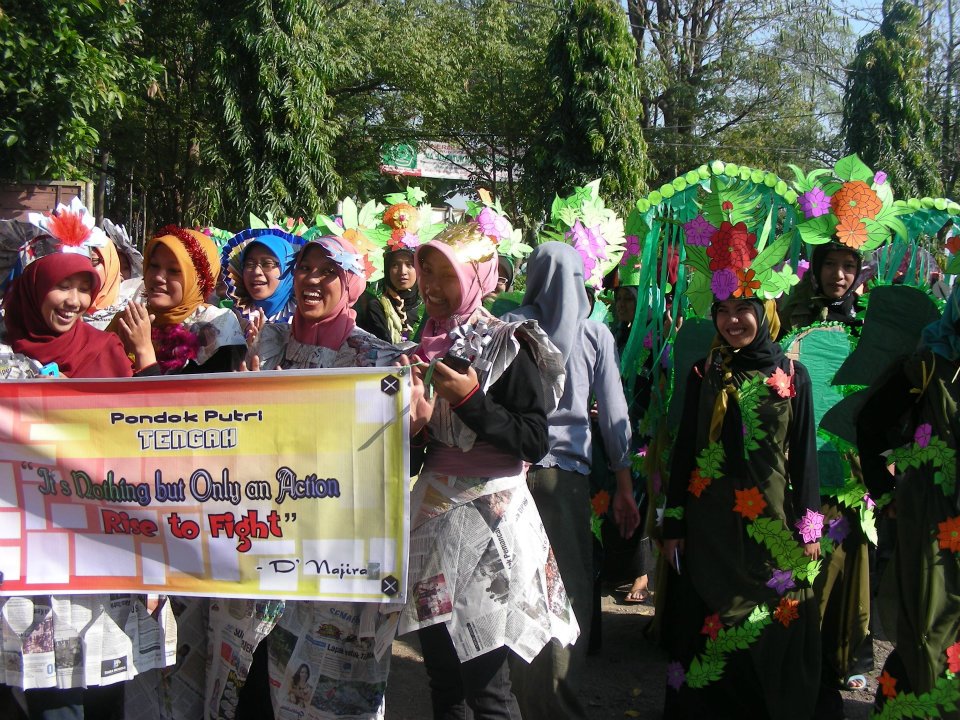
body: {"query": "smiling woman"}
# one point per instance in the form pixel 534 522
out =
pixel 42 312
pixel 180 271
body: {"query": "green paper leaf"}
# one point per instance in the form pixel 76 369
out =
pixel 772 254
pixel 818 230
pixel 349 213
pixel 853 168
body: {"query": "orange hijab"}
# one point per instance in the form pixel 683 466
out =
pixel 110 287
pixel 199 262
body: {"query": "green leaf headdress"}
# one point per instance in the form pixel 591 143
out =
pixel 489 215
pixel 374 228
pixel 852 206
pixel 596 231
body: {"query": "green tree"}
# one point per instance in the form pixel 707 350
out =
pixel 751 81
pixel 593 128
pixel 270 71
pixel 885 115
pixel 67 69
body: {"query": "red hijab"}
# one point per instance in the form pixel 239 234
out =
pixel 331 331
pixel 80 352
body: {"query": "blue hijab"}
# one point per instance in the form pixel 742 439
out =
pixel 941 336
pixel 285 253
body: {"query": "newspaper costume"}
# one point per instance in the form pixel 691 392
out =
pixel 467 569
pixel 325 660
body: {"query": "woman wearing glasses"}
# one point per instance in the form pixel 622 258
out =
pixel 258 274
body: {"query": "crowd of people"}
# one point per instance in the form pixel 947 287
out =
pixel 519 401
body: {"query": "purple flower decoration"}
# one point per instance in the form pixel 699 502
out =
pixel 723 283
pixel 781 581
pixel 921 435
pixel 869 501
pixel 814 203
pixel 802 268
pixel 632 245
pixel 676 677
pixel 699 231
pixel 493 225
pixel 810 526
pixel 590 244
pixel 880 177
pixel 410 240
pixel 838 529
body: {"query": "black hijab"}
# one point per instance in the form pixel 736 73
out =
pixel 842 309
pixel 762 352
pixel 409 299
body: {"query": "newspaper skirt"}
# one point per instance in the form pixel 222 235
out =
pixel 480 562
pixel 73 641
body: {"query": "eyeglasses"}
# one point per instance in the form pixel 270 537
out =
pixel 266 264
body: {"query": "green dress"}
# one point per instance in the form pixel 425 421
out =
pixel 741 624
pixel 914 411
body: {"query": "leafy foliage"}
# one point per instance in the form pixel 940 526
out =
pixel 66 69
pixel 885 115
pixel 591 130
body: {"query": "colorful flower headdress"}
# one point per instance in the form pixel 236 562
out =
pixel 594 230
pixel 373 228
pixel 726 244
pixel 488 214
pixel 853 205
pixel 72 226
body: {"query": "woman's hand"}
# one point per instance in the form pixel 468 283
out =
pixel 812 550
pixel 253 366
pixel 673 550
pixel 135 324
pixel 254 326
pixel 421 409
pixel 451 385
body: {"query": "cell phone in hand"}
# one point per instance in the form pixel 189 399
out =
pixel 456 362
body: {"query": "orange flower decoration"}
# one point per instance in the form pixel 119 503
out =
pixel 855 199
pixel 600 502
pixel 787 611
pixel 358 240
pixel 888 683
pixel 401 216
pixel 698 483
pixel 852 232
pixel 750 503
pixel 712 626
pixel 949 536
pixel 748 286
pixel 782 383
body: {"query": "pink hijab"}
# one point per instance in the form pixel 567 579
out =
pixel 331 331
pixel 477 278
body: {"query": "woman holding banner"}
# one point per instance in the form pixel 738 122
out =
pixel 290 671
pixel 43 310
pixel 484 580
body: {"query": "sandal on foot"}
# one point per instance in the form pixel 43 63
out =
pixel 856 682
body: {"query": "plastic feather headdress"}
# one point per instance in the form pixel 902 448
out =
pixel 72 226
